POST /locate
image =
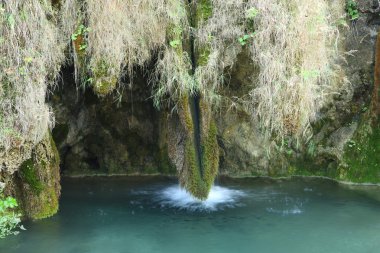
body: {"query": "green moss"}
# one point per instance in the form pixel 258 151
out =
pixel 175 34
pixel 149 170
pixel 195 184
pixel 186 115
pixel 200 180
pixel 41 174
pixel 29 175
pixel 199 184
pixel 203 55
pixel 210 157
pixel 361 159
pixel 49 206
pixel 47 203
pixel 103 83
pixel 308 168
pixel 362 156
pixel 166 166
pixel 204 11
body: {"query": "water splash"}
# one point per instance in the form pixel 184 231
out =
pixel 219 198
pixel 293 211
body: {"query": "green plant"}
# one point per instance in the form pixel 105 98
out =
pixel 251 13
pixel 81 31
pixel 309 74
pixel 351 143
pixel 175 43
pixel 9 218
pixel 80 34
pixel 352 9
pixel 244 40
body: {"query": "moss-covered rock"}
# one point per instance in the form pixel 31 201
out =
pixel 200 163
pixel 29 175
pixel 166 166
pixel 98 136
pixel 103 82
pixel 361 160
pixel 203 11
pixel 39 181
pixel 362 156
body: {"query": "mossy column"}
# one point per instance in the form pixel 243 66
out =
pixel 201 156
pixel 200 162
pixel 39 181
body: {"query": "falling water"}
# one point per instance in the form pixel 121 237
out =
pixel 218 199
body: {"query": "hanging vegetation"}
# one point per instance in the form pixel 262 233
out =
pixel 292 45
pixel 31 53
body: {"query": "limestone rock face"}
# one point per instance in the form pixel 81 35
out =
pixel 11 160
pixel 245 151
pixel 106 136
pixel 36 182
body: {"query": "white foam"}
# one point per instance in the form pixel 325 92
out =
pixel 294 211
pixel 218 199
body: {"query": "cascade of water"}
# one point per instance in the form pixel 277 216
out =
pixel 218 199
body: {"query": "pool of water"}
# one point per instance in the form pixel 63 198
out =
pixel 122 215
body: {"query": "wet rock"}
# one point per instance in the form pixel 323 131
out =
pixel 104 135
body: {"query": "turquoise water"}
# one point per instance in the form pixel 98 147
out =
pixel 122 215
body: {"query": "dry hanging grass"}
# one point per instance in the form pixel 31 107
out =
pixel 121 35
pixel 31 54
pixel 217 40
pixel 172 78
pixel 292 42
pixel 294 45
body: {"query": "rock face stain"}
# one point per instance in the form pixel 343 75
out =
pixel 376 88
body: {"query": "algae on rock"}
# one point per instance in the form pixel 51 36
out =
pixel 201 162
pixel 38 181
pixel 361 161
